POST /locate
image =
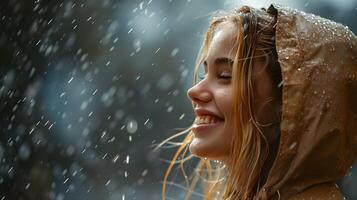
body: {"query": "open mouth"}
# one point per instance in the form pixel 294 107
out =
pixel 204 124
pixel 207 119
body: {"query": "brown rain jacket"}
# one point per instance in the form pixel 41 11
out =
pixel 318 143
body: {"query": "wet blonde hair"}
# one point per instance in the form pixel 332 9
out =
pixel 241 180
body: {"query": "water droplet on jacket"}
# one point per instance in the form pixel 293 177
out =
pixel 332 49
pixel 351 78
pixel 292 145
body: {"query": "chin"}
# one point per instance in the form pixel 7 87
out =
pixel 204 149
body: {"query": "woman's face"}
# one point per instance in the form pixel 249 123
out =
pixel 213 96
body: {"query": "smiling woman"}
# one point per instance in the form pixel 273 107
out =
pixel 213 95
pixel 256 130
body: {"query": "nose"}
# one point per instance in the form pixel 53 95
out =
pixel 199 93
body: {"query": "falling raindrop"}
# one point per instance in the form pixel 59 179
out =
pixel 174 52
pixel 27 186
pixel 144 172
pixel 132 126
pixel 2 152
pixel 127 159
pixel 115 159
pixel 24 151
pixel 182 116
pixel 70 80
pixel 170 108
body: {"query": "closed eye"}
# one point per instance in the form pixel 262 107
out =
pixel 225 76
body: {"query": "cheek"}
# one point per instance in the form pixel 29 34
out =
pixel 224 101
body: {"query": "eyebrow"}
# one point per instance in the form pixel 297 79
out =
pixel 221 60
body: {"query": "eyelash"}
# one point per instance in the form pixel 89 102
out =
pixel 200 77
pixel 225 76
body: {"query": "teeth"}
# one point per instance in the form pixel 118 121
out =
pixel 206 119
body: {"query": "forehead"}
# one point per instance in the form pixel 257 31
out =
pixel 225 30
pixel 223 43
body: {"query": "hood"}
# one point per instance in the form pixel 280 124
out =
pixel 318 142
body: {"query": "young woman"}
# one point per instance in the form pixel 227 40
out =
pixel 276 108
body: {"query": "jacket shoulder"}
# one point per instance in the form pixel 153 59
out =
pixel 324 191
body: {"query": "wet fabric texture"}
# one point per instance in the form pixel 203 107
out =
pixel 318 142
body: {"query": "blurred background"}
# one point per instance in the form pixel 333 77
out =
pixel 88 87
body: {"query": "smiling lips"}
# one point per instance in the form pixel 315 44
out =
pixel 206 119
pixel 204 124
